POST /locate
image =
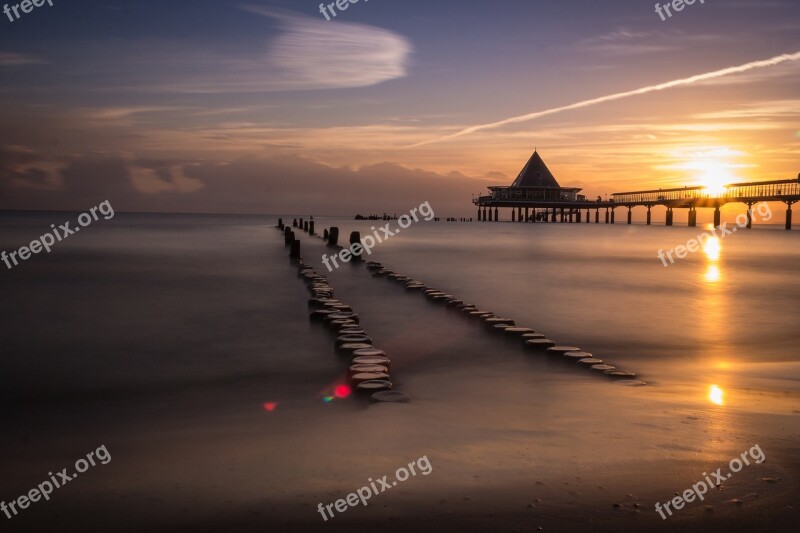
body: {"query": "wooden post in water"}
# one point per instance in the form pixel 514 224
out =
pixel 280 223
pixel 717 217
pixel 333 236
pixel 789 215
pixel 288 237
pixel 630 215
pixel 496 215
pixel 692 217
pixel 294 252
pixel 750 215
pixel 305 226
pixel 311 228
pixel 649 215
pixel 355 238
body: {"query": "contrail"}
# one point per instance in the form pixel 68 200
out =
pixel 616 96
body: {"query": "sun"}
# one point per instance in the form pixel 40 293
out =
pixel 713 177
pixel 712 168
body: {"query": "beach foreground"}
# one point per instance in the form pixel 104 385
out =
pixel 516 441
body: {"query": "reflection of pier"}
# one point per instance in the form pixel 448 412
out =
pixel 537 192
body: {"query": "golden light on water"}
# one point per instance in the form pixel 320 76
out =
pixel 716 395
pixel 712 274
pixel 712 248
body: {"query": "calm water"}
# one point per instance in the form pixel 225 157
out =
pixel 162 335
pixel 163 300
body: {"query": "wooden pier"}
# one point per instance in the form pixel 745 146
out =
pixel 535 196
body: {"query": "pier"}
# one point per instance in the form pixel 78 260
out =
pixel 535 196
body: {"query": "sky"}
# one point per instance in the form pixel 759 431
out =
pixel 267 107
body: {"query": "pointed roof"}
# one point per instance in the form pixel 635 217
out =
pixel 535 174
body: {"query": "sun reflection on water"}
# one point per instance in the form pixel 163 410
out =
pixel 716 395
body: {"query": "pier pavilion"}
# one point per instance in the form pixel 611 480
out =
pixel 537 191
pixel 535 187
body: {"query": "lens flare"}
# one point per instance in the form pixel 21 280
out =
pixel 341 391
pixel 270 406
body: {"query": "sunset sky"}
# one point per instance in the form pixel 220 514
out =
pixel 266 107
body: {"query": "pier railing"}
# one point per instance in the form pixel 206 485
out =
pixel 779 190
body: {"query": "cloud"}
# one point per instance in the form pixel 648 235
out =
pixel 617 96
pixel 314 54
pixel 278 184
pixel 12 59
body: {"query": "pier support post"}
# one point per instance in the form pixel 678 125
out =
pixel 479 214
pixel 788 215
pixel 750 216
pixel 607 216
pixel 527 214
pixel 717 217
pixel 669 216
pixel 649 215
pixel 692 217
pixel 496 215
pixel 519 215
pixel 333 236
pixel 553 215
pixel 630 215
pixel 613 212
pixel 513 215
pixel 579 215
pixel 597 216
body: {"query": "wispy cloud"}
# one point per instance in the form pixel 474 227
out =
pixel 617 96
pixel 314 54
pixel 13 59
